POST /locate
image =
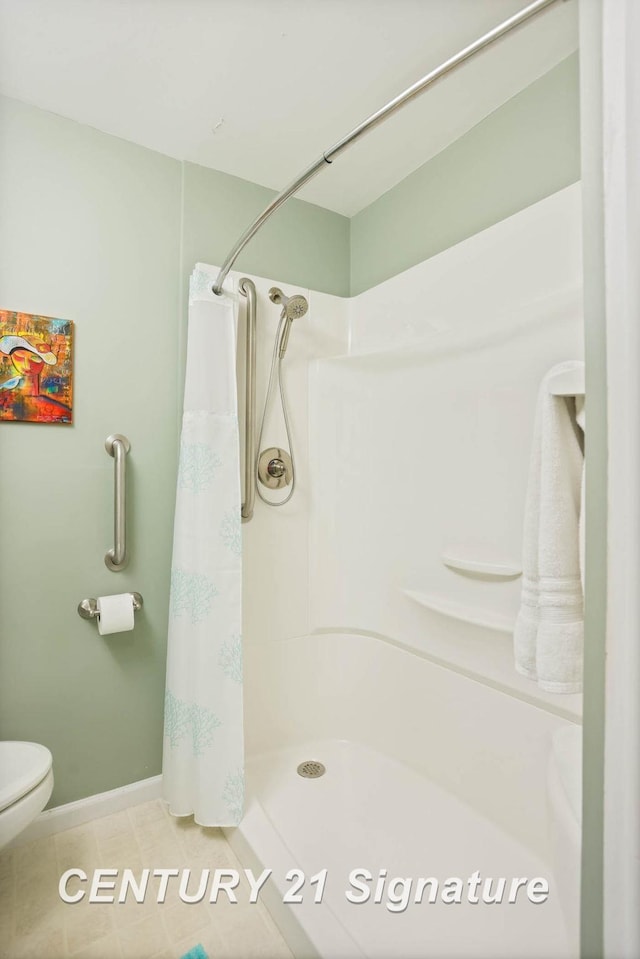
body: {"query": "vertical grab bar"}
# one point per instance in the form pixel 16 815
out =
pixel 118 446
pixel 248 289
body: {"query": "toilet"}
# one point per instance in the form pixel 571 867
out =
pixel 564 795
pixel 26 783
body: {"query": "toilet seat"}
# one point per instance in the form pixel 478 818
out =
pixel 22 767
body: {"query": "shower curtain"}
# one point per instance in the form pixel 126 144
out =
pixel 203 769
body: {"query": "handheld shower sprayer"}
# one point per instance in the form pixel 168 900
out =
pixel 275 466
pixel 293 307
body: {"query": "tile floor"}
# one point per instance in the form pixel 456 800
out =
pixel 34 922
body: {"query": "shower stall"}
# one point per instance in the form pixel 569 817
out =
pixel 396 763
pixel 386 729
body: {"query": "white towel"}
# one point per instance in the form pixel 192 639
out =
pixel 549 631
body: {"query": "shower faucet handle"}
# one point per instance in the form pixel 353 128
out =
pixel 276 467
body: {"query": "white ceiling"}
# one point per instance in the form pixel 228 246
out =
pixel 260 88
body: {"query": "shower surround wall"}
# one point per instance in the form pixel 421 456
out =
pixel 428 423
pixel 420 430
pixel 434 408
pixel 419 435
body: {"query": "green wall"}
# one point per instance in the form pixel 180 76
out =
pixel 527 149
pixel 301 244
pixel 92 229
pixel 89 231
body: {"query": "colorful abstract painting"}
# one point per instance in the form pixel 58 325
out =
pixel 36 368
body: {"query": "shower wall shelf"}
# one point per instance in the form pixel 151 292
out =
pixel 466 614
pixel 465 559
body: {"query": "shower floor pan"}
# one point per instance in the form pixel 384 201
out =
pixel 370 812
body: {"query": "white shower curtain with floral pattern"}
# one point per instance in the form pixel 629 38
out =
pixel 203 764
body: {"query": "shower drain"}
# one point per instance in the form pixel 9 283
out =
pixel 311 769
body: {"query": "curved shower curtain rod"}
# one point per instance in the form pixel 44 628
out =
pixel 378 117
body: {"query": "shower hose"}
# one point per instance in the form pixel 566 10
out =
pixel 275 374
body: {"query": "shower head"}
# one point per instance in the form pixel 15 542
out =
pixel 293 307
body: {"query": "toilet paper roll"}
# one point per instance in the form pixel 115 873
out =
pixel 115 613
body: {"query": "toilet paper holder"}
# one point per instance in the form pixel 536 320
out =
pixel 88 608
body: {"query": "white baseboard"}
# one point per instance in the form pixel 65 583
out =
pixel 93 807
